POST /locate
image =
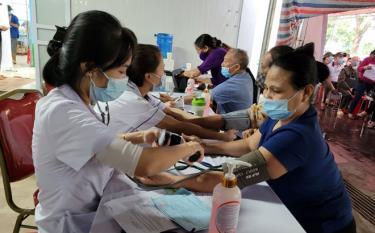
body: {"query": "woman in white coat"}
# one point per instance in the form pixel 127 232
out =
pixel 75 154
pixel 136 109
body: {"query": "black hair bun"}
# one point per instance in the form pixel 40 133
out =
pixel 307 49
pixel 55 44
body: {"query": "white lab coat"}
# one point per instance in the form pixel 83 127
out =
pixel 66 137
pixel 132 112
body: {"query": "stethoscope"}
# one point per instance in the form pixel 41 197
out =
pixel 104 115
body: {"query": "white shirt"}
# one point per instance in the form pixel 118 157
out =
pixel 66 136
pixel 334 71
pixel 132 112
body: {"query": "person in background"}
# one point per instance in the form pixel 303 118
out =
pixel 211 51
pixel 266 63
pixel 137 109
pixel 327 58
pixel 14 33
pixel 300 167
pixel 238 92
pixel 345 85
pixel 335 68
pixel 75 154
pixel 365 84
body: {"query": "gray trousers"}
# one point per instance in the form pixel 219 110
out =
pixel 14 46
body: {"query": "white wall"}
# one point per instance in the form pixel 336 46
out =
pixel 315 31
pixel 239 23
pixel 185 19
pixel 253 22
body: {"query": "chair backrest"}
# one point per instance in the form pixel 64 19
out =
pixel 16 128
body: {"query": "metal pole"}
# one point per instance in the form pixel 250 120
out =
pixel 267 29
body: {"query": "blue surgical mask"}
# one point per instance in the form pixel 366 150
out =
pixel 276 109
pixel 115 88
pixel 225 72
pixel 341 61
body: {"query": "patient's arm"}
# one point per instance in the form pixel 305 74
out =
pixel 203 183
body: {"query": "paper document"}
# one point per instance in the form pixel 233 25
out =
pixel 370 74
pixel 137 214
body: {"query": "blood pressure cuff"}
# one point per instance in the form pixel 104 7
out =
pixel 239 120
pixel 251 175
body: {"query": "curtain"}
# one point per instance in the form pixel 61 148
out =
pixel 293 11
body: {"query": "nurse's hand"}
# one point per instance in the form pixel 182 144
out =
pixel 150 136
pixel 170 104
pixel 191 138
pixel 194 148
pixel 165 98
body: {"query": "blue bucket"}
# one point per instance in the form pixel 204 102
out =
pixel 164 42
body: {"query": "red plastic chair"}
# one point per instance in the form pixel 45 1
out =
pixel 361 106
pixel 16 127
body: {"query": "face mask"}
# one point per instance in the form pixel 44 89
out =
pixel 354 64
pixel 276 109
pixel 225 72
pixel 161 85
pixel 203 55
pixel 330 59
pixel 341 61
pixel 115 88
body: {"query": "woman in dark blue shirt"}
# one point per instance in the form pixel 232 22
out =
pixel 299 163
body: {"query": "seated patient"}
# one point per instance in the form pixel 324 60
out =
pixel 295 159
pixel 237 92
pixel 137 110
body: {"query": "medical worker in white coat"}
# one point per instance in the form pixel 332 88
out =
pixel 75 154
pixel 137 109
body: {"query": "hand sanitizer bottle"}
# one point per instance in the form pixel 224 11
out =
pixel 226 201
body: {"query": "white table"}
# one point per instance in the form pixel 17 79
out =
pixel 261 209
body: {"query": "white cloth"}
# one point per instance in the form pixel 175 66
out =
pixel 114 155
pixel 132 112
pixel 334 71
pixel 66 136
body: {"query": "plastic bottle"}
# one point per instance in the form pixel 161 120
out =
pixel 197 106
pixel 207 99
pixel 226 202
pixel 190 86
